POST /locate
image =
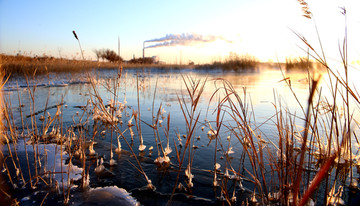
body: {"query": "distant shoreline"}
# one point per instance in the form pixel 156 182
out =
pixel 31 65
pixel 20 64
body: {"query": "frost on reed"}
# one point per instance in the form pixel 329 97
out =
pixel 111 115
pixel 45 151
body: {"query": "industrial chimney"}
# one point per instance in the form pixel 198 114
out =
pixel 143 50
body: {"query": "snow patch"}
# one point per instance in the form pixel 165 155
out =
pixel 111 195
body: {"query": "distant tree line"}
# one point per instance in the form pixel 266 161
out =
pixel 145 60
pixel 237 62
pixel 107 54
pixel 298 63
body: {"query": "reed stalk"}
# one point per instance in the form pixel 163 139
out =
pixel 100 104
pixel 194 89
pixel 76 37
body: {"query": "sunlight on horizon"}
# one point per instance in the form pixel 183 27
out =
pixel 262 29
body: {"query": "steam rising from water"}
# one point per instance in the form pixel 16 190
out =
pixel 184 39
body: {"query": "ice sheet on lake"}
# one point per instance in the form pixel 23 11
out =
pixel 51 80
pixel 53 162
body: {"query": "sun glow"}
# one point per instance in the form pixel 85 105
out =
pixel 264 29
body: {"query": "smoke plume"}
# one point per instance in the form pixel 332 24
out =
pixel 184 39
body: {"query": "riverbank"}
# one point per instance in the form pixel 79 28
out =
pixel 21 64
pixel 40 65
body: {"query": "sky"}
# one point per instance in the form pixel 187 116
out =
pixel 261 28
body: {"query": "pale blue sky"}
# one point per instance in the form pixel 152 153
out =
pixel 258 27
